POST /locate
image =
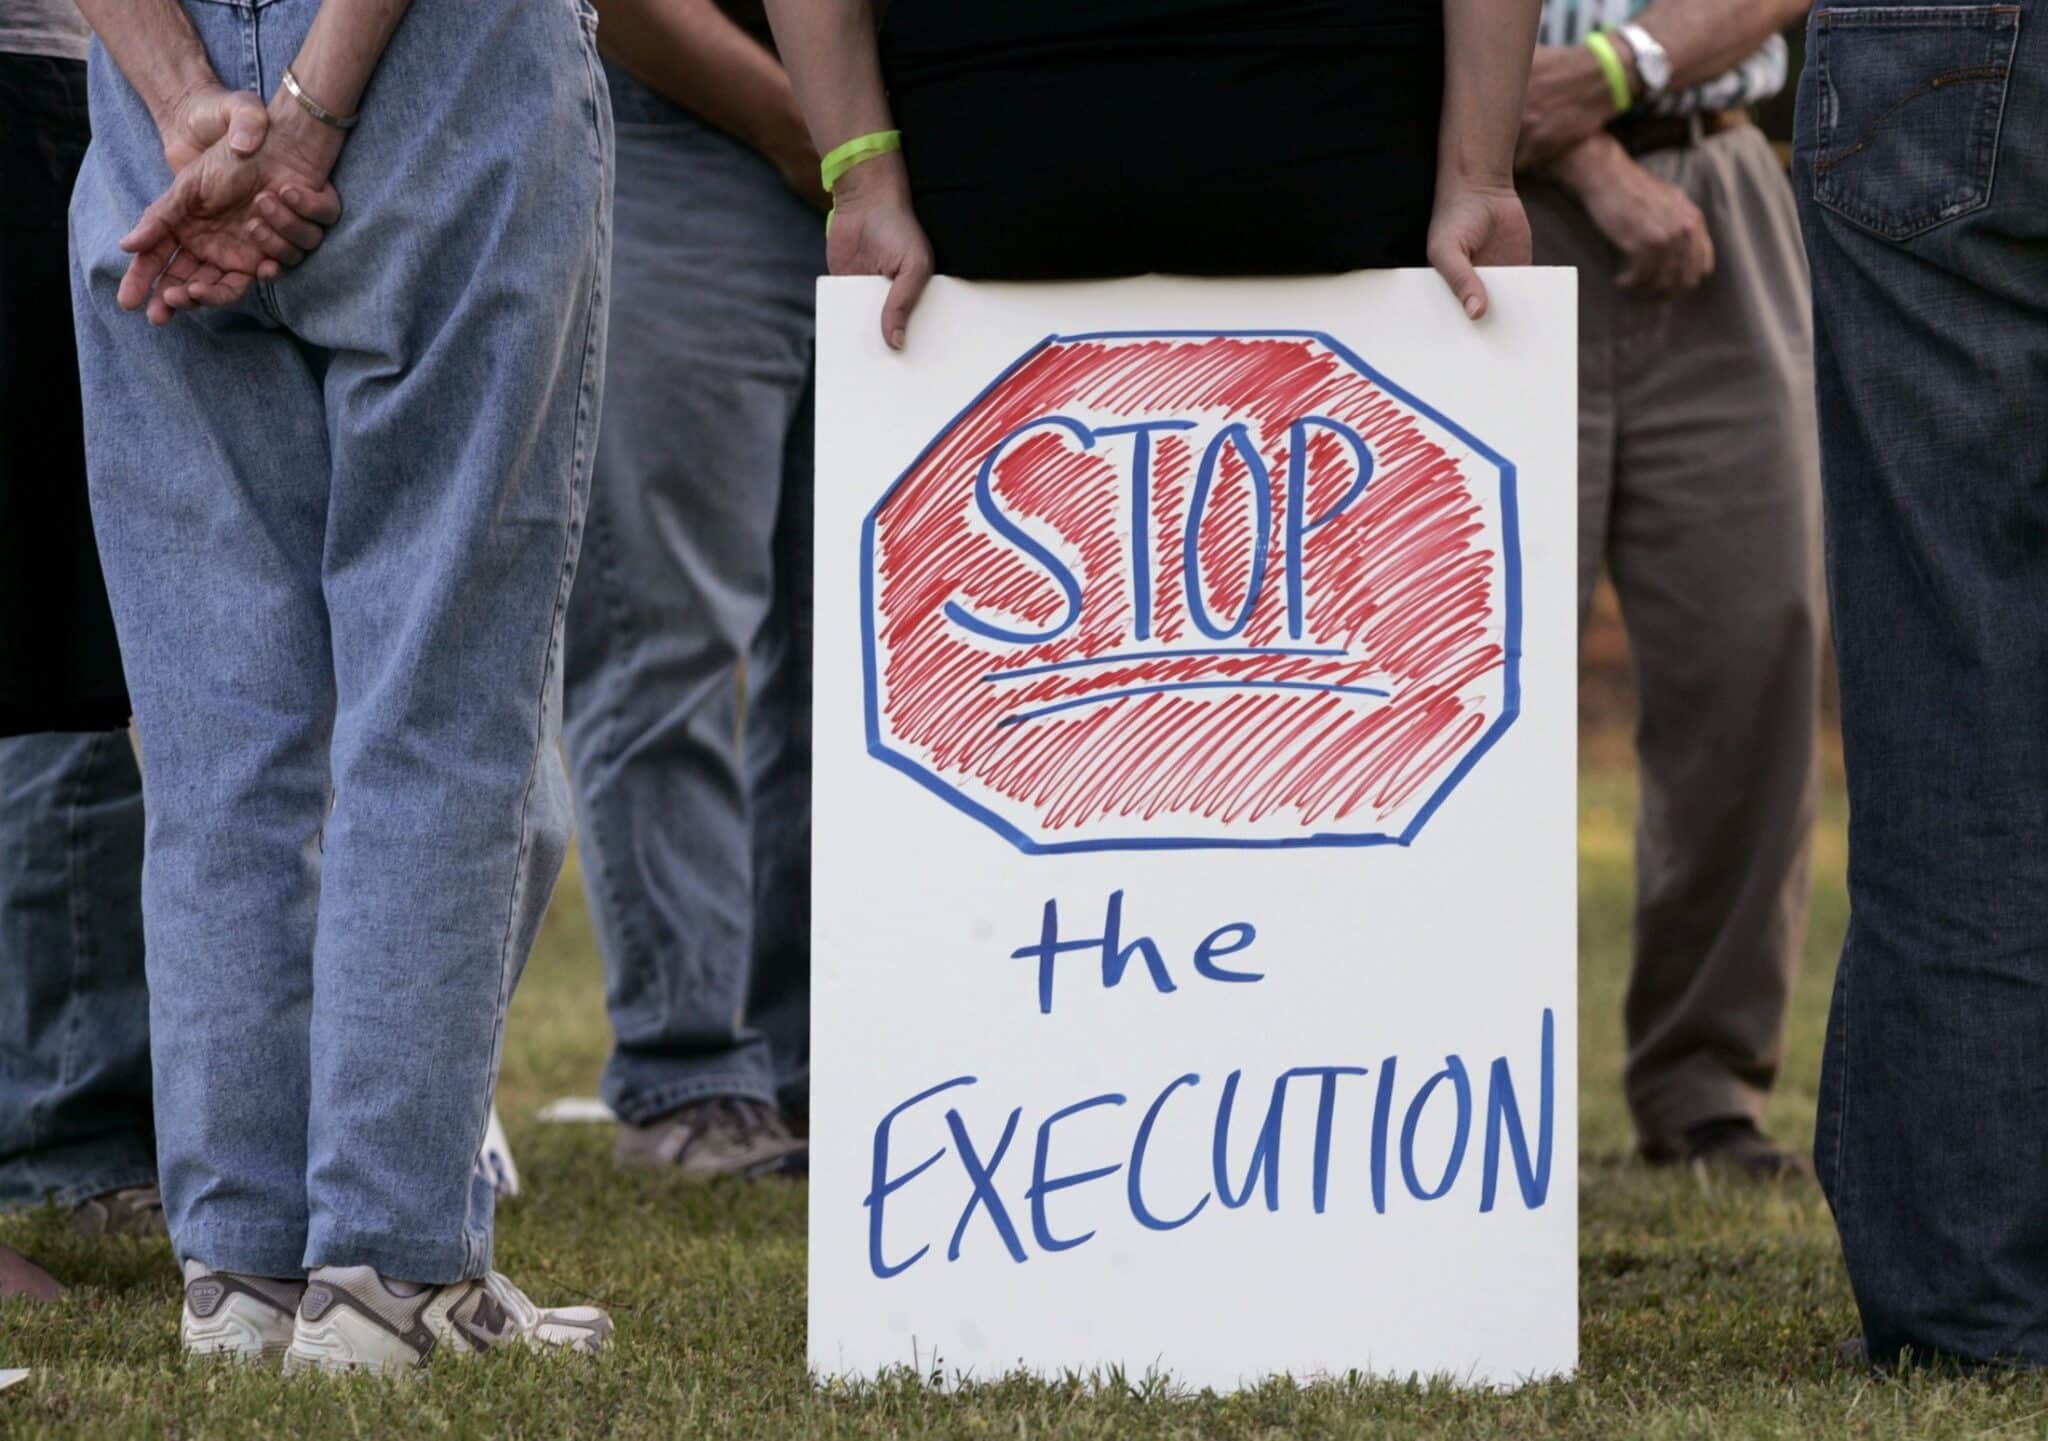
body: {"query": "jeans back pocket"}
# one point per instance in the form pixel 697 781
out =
pixel 1911 99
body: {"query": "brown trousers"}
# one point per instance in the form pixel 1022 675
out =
pixel 1699 487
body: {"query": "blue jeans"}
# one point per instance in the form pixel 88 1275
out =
pixel 74 1012
pixel 688 692
pixel 339 523
pixel 1922 173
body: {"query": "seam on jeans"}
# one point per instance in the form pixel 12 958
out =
pixel 1842 1188
pixel 1823 164
pixel 1996 127
pixel 1934 17
pixel 597 528
pixel 571 533
pixel 266 290
pixel 81 932
pixel 599 546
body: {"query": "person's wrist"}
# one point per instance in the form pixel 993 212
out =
pixel 170 99
pixel 173 114
pixel 308 145
pixel 1588 164
pixel 1486 177
pixel 1630 66
pixel 1589 80
pixel 881 179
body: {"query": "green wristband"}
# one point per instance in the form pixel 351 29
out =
pixel 842 158
pixel 1610 66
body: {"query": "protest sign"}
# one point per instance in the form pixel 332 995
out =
pixel 1194 902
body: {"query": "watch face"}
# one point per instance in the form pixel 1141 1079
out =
pixel 1651 61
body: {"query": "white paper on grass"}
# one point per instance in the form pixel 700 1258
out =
pixel 929 873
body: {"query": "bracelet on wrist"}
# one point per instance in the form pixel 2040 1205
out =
pixel 1616 73
pixel 314 108
pixel 842 158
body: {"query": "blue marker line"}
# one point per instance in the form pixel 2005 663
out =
pixel 1137 655
pixel 1108 695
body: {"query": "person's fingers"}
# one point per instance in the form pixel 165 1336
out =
pixel 1451 256
pixel 191 291
pixel 273 245
pixel 322 206
pixel 225 289
pixel 1674 264
pixel 150 231
pixel 143 271
pixel 1648 266
pixel 288 223
pixel 903 293
pixel 246 121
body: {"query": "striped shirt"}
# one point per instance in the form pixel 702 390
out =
pixel 1762 75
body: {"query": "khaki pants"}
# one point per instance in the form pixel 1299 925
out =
pixel 1699 488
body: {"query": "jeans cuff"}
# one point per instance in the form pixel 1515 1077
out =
pixel 430 1261
pixel 78 1172
pixel 639 1105
pixel 250 1250
pixel 101 1182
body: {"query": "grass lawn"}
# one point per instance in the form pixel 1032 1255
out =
pixel 1707 1312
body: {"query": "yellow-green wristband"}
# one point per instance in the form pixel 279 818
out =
pixel 1610 66
pixel 842 158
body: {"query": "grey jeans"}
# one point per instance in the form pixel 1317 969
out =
pixel 688 683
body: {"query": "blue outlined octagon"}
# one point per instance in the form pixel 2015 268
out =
pixel 890 752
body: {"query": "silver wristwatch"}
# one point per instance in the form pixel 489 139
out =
pixel 1652 61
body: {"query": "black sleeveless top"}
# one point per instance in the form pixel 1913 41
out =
pixel 1075 138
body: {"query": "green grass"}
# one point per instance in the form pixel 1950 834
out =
pixel 1708 1312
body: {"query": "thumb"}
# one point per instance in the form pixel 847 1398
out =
pixel 150 231
pixel 1453 261
pixel 246 120
pixel 903 293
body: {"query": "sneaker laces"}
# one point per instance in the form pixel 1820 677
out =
pixel 749 1117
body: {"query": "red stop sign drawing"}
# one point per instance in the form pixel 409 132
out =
pixel 1193 588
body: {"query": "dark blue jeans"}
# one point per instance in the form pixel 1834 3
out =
pixel 74 1012
pixel 1921 166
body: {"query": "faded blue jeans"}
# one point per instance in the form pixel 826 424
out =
pixel 74 1011
pixel 1922 172
pixel 689 630
pixel 339 523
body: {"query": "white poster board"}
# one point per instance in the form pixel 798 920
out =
pixel 1194 930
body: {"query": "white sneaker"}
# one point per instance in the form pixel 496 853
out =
pixel 237 1318
pixel 352 1319
pixel 496 1159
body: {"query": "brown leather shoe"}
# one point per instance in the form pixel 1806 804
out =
pixel 1732 1145
pixel 136 1211
pixel 717 1136
pixel 20 1276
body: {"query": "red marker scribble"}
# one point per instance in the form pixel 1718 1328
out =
pixel 1193 589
